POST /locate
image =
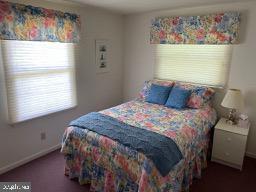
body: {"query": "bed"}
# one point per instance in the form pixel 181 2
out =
pixel 111 166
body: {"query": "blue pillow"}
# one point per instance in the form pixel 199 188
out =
pixel 178 98
pixel 158 94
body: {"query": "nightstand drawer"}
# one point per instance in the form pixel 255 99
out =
pixel 229 147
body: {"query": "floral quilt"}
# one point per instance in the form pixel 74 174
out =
pixel 110 166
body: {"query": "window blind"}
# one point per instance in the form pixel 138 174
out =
pixel 201 64
pixel 40 78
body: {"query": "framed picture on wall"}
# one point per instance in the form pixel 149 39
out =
pixel 102 64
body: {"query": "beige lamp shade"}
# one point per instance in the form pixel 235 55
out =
pixel 233 99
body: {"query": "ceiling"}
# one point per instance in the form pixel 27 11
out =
pixel 137 6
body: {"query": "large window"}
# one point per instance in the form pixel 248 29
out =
pixel 40 78
pixel 202 64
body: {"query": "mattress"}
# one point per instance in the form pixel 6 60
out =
pixel 110 166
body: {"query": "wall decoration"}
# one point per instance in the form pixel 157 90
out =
pixel 221 28
pixel 101 59
pixel 25 22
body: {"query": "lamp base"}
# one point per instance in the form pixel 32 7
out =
pixel 230 122
pixel 231 117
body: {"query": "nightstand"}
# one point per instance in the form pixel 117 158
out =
pixel 229 144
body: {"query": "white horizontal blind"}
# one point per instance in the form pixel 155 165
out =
pixel 40 78
pixel 202 64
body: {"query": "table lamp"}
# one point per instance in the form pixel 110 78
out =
pixel 234 101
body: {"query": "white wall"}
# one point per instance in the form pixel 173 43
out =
pixel 95 91
pixel 139 55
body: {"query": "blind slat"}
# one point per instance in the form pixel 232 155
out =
pixel 202 64
pixel 40 78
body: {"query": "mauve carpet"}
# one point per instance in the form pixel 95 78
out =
pixel 46 175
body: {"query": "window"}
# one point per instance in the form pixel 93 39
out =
pixel 202 64
pixel 40 78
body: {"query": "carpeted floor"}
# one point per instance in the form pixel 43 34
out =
pixel 220 178
pixel 46 175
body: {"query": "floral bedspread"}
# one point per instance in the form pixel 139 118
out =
pixel 110 166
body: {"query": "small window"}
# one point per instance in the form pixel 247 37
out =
pixel 40 78
pixel 201 64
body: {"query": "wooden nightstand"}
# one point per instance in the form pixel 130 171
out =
pixel 229 144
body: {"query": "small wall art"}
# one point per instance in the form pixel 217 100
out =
pixel 102 65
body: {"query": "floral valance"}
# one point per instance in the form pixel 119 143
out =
pixel 25 22
pixel 222 28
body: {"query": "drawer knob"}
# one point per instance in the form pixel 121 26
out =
pixel 227 154
pixel 229 139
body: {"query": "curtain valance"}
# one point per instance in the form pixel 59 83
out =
pixel 221 28
pixel 25 22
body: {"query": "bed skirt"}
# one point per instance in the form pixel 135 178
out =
pixel 101 179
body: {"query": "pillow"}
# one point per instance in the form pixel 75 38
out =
pixel 146 87
pixel 145 90
pixel 158 94
pixel 178 98
pixel 200 95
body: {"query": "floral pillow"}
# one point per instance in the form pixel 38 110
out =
pixel 145 90
pixel 200 95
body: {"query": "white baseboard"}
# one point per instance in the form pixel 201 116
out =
pixel 249 154
pixel 28 159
